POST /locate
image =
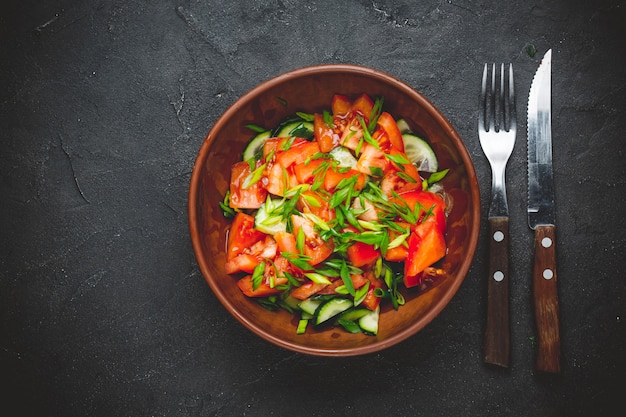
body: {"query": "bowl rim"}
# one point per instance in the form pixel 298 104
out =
pixel 464 267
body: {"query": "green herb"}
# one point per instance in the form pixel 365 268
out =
pixel 253 177
pixel 406 177
pixel 376 111
pixel 346 278
pixel 228 211
pixel 307 117
pixel 328 119
pixel 361 293
pixel 282 101
pixel 531 50
pixel 317 278
pixel 297 260
pixel 257 275
pixel 257 128
pixel 300 241
pixel 302 326
pixel 311 201
pixel 317 221
pixel 366 134
pixel 377 171
pixel 286 144
pixel 350 326
pixel 398 159
pixel 437 176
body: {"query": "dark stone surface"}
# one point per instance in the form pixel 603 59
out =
pixel 104 104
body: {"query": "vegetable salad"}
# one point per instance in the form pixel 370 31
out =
pixel 333 213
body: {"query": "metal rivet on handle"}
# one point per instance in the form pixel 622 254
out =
pixel 498 236
pixel 548 274
pixel 498 276
pixel 546 242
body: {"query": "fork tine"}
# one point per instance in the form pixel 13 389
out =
pixel 492 100
pixel 512 112
pixel 482 108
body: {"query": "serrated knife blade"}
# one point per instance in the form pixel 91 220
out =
pixel 542 217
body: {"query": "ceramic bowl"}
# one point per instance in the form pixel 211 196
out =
pixel 310 90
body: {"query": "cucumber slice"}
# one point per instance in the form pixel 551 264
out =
pixel 255 146
pixel 344 157
pixel 266 220
pixel 310 306
pixel 369 322
pixel 331 308
pixel 353 314
pixel 298 128
pixel 403 126
pixel 420 153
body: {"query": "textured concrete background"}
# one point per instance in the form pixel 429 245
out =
pixel 104 104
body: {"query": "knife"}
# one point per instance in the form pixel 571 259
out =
pixel 542 218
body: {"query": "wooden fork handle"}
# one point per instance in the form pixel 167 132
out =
pixel 546 299
pixel 496 348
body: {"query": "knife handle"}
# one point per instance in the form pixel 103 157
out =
pixel 496 348
pixel 546 300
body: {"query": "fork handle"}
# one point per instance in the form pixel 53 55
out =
pixel 545 295
pixel 496 348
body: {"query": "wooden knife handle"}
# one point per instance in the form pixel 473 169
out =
pixel 546 299
pixel 496 348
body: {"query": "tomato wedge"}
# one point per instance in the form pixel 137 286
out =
pixel 315 248
pixel 333 178
pixel 242 235
pixel 423 251
pixel 363 106
pixel 362 254
pixel 433 206
pixel 324 134
pixel 371 300
pixel 340 105
pixel 250 197
pixel 389 128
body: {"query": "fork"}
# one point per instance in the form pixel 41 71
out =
pixel 497 127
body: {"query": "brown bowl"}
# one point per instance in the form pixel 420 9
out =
pixel 310 90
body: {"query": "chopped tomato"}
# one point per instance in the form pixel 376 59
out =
pixel 273 278
pixel 297 153
pixel 315 248
pixel 306 172
pixel 306 290
pixel 363 106
pixel 313 202
pixel 340 105
pixel 358 280
pixel 242 235
pixel 351 134
pixel 408 169
pixel 392 182
pixel 387 124
pixel 279 179
pixel 324 134
pixel 398 253
pixel 332 179
pixel 371 160
pixel 263 290
pixel 433 207
pixel 362 254
pixel 242 263
pixel 286 242
pixel 242 196
pixel 252 256
pixel 275 145
pixel 371 301
pixel 423 251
